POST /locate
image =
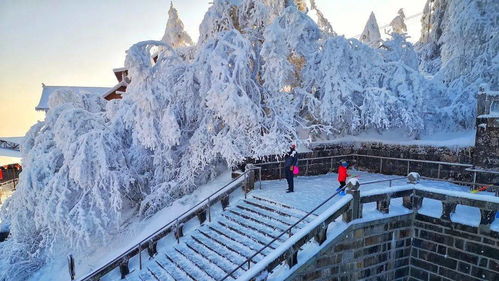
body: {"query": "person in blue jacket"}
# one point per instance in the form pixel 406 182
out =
pixel 290 161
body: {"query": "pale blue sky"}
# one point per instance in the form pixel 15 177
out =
pixel 78 43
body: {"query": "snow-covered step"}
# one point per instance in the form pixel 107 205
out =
pixel 188 266
pixel 215 249
pixel 157 273
pixel 261 219
pixel 284 219
pixel 201 262
pixel 169 266
pixel 243 230
pixel 221 249
pixel 215 258
pixel 248 241
pixel 263 229
pixel 231 244
pixel 279 208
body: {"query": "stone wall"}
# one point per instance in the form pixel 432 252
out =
pixel 442 250
pixel 377 250
pixel 408 247
pixel 394 167
pixel 487 143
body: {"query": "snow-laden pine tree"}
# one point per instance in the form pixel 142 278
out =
pixel 460 49
pixel 355 88
pixel 429 45
pixel 321 20
pixel 74 189
pixel 398 25
pixel 371 35
pixel 175 35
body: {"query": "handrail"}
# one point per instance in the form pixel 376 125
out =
pixel 288 230
pixel 8 182
pixel 192 210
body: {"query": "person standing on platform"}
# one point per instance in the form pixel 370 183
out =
pixel 290 161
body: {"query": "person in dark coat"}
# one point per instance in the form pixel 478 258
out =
pixel 290 161
pixel 342 174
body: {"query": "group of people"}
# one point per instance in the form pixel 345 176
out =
pixel 290 168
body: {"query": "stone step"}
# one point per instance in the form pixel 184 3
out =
pixel 261 219
pixel 284 219
pixel 157 273
pixel 231 244
pixel 248 241
pixel 162 261
pixel 202 262
pixel 279 208
pixel 263 229
pixel 187 266
pixel 243 230
pixel 215 249
pixel 208 254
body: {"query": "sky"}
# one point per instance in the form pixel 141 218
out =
pixel 78 43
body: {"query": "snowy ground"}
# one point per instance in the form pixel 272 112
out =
pixel 313 190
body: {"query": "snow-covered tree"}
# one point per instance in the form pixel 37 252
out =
pixel 371 35
pixel 290 43
pixel 398 49
pixel 429 45
pixel 73 191
pixel 398 23
pixel 460 49
pixel 175 35
pixel 355 88
pixel 221 16
pixel 321 20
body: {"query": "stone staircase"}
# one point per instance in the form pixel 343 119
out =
pixel 214 249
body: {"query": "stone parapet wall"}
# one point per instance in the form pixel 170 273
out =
pixel 443 250
pixel 274 170
pixel 408 247
pixel 377 250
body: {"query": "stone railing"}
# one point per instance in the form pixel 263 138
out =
pixel 349 208
pixel 310 164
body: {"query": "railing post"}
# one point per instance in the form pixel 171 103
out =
pixel 202 216
pixel 408 165
pixel 381 165
pixel 260 176
pixel 321 235
pixel 487 217
pixel 71 267
pixel 355 210
pixel 383 205
pixel 438 174
pixel 447 209
pixel 209 209
pixel 124 269
pixel 292 259
pixel 140 256
pixel 306 170
pixel 179 231
pixel 225 201
pixel 152 248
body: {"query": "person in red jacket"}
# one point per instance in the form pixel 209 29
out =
pixel 342 174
